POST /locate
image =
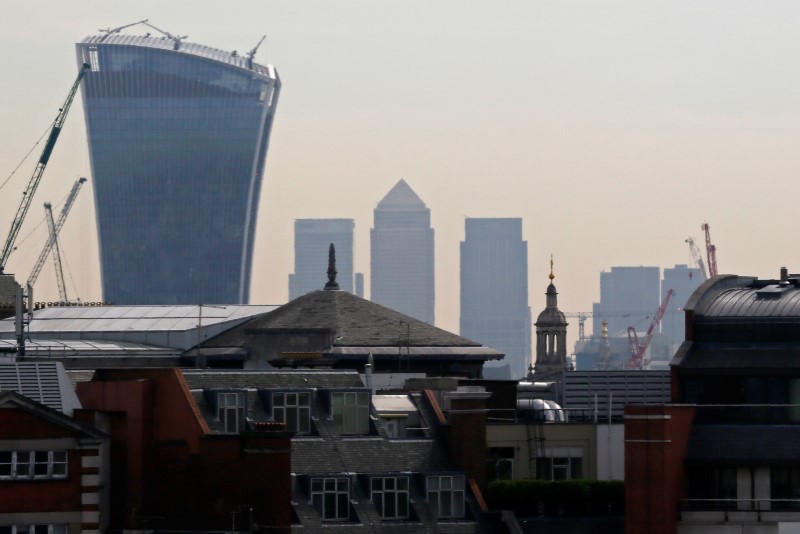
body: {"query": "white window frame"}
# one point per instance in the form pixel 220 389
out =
pixel 446 495
pixel 322 489
pixel 294 409
pixel 394 490
pixel 30 529
pixel 231 404
pixel 350 410
pixel 23 465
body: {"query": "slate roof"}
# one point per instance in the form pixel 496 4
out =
pixel 46 383
pixel 356 322
pixel 327 453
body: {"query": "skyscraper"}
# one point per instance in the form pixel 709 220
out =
pixel 629 296
pixel 312 237
pixel 401 274
pixel 178 136
pixel 494 293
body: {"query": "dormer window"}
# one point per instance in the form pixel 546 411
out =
pixel 230 410
pixel 331 498
pixel 293 409
pixel 350 410
pixel 446 496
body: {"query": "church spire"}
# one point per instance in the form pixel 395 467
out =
pixel 332 283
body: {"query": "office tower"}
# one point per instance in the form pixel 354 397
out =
pixel 494 293
pixel 629 296
pixel 312 237
pixel 178 136
pixel 359 288
pixel 401 255
pixel 683 280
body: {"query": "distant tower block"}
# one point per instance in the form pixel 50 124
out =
pixel 311 240
pixel 551 336
pixel 401 275
pixel 178 136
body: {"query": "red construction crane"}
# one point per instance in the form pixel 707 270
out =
pixel 711 252
pixel 638 349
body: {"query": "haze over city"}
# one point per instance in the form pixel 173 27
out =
pixel 614 129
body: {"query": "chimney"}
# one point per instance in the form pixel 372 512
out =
pixel 467 416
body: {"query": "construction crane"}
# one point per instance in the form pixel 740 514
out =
pixel 51 226
pixel 178 39
pixel 711 252
pixel 252 53
pixel 638 349
pixel 52 239
pixel 698 258
pixel 27 195
pixel 582 316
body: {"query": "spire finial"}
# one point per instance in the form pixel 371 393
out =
pixel 332 283
pixel 551 269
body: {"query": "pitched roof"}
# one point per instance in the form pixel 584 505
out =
pixel 46 383
pixel 401 196
pixel 356 322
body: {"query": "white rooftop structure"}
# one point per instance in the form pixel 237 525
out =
pixel 138 328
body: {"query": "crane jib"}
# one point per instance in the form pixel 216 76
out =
pixel 48 148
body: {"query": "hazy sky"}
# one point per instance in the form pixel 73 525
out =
pixel 614 128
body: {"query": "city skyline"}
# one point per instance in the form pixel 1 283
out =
pixel 613 141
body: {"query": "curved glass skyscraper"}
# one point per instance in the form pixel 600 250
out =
pixel 178 136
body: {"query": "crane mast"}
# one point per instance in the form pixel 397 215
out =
pixel 33 183
pixel 638 349
pixel 51 226
pixel 51 240
pixel 711 252
pixel 697 257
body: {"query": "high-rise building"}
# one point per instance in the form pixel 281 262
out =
pixel 629 296
pixel 494 293
pixel 312 237
pixel 178 136
pixel 683 280
pixel 401 255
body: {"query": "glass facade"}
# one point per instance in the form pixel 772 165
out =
pixel 177 141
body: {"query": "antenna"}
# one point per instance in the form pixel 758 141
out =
pixel 176 38
pixel 109 31
pixel 252 53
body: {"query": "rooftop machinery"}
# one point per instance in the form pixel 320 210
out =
pixel 33 183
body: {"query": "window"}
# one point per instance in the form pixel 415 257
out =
pixel 94 60
pixel 230 411
pixel 25 465
pixel 351 411
pixel 390 495
pixel 33 529
pixel 500 463
pixel 294 409
pixel 331 498
pixel 446 496
pixel 785 488
pixel 559 468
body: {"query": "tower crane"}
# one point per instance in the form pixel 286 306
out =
pixel 176 38
pixel 697 257
pixel 582 316
pixel 638 349
pixel 33 183
pixel 51 226
pixel 711 252
pixel 53 236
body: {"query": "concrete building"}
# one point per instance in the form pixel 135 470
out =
pixel 401 255
pixel 629 296
pixel 178 136
pixel 312 237
pixel 494 293
pixel 722 457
